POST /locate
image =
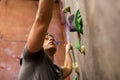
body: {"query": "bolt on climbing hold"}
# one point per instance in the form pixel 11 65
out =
pixel 66 9
pixel 78 22
pixel 76 67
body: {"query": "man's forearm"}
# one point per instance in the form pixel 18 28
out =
pixel 67 68
pixel 68 60
pixel 45 8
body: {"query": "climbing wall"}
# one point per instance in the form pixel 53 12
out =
pixel 101 36
pixel 16 18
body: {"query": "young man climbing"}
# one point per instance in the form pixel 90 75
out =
pixel 37 57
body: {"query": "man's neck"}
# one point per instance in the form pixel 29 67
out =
pixel 50 55
pixel 51 58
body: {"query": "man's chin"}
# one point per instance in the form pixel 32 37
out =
pixel 51 49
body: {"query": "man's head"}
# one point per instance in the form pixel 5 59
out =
pixel 49 44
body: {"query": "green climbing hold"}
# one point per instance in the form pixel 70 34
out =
pixel 78 45
pixel 75 78
pixel 78 22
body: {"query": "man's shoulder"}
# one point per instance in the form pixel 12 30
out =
pixel 31 57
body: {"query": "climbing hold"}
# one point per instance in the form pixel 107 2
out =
pixel 78 45
pixel 66 9
pixel 82 49
pixel 71 28
pixel 76 67
pixel 71 24
pixel 78 22
pixel 75 78
pixel 71 18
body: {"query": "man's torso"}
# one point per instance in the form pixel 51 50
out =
pixel 37 66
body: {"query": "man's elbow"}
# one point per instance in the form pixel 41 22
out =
pixel 67 72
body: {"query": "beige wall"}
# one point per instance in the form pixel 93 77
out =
pixel 101 19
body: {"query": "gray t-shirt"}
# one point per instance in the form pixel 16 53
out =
pixel 38 66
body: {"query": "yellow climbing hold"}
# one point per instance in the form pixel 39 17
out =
pixel 82 49
pixel 76 67
pixel 66 9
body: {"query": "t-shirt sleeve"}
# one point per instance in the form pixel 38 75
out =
pixel 29 56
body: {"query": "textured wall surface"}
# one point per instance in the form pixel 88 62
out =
pixel 101 21
pixel 16 18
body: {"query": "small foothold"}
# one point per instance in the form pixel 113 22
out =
pixel 78 45
pixel 66 9
pixel 76 67
pixel 82 49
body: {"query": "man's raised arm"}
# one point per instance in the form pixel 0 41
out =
pixel 40 26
